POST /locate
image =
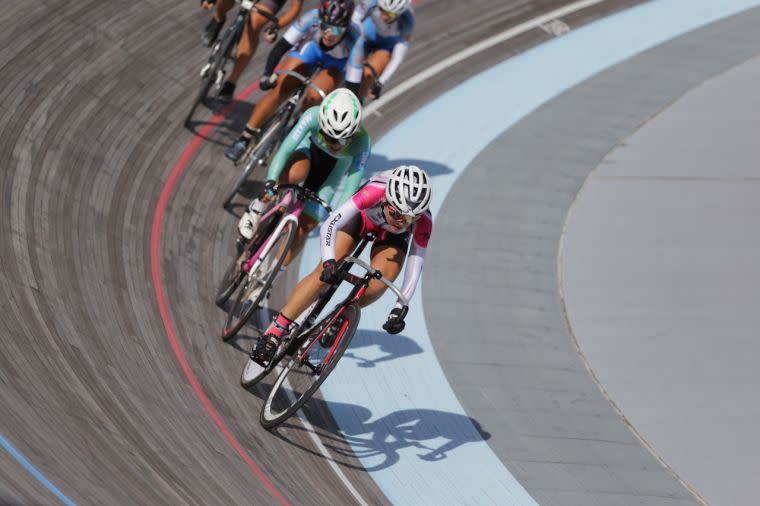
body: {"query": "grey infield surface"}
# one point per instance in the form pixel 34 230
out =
pixel 661 282
pixel 491 285
pixel 92 97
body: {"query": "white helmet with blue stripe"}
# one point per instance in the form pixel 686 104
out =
pixel 394 6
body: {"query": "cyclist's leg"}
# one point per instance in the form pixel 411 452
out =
pixel 282 90
pixel 387 257
pixel 373 67
pixel 295 171
pixel 327 80
pixel 222 8
pixel 307 290
pixel 248 43
pixel 214 25
pixel 306 223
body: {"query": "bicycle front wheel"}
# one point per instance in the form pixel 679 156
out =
pixel 259 155
pixel 257 283
pixel 322 347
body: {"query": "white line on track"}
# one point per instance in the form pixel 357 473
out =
pixel 400 90
pixel 317 441
pixel 470 51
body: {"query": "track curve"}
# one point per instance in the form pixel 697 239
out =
pixel 93 95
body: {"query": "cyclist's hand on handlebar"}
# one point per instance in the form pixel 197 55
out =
pixel 395 322
pixel 207 4
pixel 270 32
pixel 267 82
pixel 377 89
pixel 329 272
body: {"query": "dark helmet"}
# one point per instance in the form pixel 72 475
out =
pixel 336 12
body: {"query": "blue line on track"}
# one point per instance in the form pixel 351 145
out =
pixel 34 472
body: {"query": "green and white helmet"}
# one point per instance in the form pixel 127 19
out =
pixel 340 114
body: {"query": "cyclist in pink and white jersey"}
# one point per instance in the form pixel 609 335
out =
pixel 394 206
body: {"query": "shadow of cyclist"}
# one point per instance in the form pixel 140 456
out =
pixel 429 434
pixel 227 128
pixel 392 347
pixel 379 162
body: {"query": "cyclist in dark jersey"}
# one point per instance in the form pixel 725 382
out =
pixel 257 22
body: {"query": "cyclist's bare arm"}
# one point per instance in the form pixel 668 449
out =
pixel 291 14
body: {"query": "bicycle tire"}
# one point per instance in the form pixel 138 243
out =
pixel 231 280
pixel 285 399
pixel 244 303
pixel 234 273
pixel 268 144
pixel 253 372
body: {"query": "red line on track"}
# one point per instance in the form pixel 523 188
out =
pixel 163 306
pixel 155 267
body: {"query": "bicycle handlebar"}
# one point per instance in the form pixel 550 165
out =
pixel 270 17
pixel 305 80
pixel 377 275
pixel 303 193
pixel 250 5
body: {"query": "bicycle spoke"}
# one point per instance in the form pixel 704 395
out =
pixel 310 366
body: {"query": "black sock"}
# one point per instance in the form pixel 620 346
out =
pixel 248 133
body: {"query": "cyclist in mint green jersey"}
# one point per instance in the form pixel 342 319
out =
pixel 327 144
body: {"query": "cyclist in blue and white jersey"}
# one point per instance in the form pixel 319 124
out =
pixel 387 27
pixel 323 37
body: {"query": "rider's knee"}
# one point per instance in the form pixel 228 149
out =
pixel 374 291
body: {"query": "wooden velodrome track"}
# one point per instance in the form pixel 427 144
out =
pixel 92 97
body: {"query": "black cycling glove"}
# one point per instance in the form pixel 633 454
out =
pixel 395 322
pixel 329 272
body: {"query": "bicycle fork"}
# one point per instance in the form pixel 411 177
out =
pixel 253 263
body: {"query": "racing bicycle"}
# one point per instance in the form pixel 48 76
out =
pixel 313 350
pixel 273 132
pixel 253 271
pixel 222 54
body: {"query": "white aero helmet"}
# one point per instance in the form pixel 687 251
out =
pixel 408 189
pixel 394 6
pixel 340 114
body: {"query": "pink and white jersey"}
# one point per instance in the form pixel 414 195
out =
pixel 367 205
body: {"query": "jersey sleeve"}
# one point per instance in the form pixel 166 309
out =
pixel 297 30
pixel 355 65
pixel 308 123
pixel 352 167
pixel 329 230
pixel 416 258
pixel 358 167
pixel 400 48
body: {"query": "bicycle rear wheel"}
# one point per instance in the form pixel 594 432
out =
pixel 231 280
pixel 309 366
pixel 220 55
pixel 261 154
pixel 257 283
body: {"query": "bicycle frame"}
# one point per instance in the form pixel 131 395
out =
pixel 360 286
pixel 287 201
